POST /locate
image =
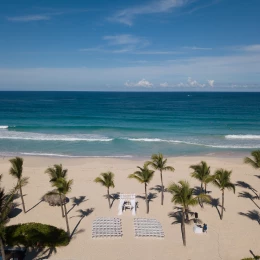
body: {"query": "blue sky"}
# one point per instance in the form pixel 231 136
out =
pixel 134 45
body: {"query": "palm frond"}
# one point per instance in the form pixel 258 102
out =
pixel 16 169
pixel 106 179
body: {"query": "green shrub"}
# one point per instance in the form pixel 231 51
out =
pixel 35 235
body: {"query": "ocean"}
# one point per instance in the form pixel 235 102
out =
pixel 128 124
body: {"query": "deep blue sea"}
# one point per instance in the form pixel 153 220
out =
pixel 126 124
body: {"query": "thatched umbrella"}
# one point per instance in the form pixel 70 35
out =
pixel 53 198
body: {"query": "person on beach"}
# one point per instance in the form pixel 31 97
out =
pixel 205 228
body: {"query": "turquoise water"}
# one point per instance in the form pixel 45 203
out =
pixel 128 124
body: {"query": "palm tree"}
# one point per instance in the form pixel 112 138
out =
pixel 255 162
pixel 222 181
pixel 202 173
pixel 6 201
pixel 16 171
pixel 64 187
pixel 159 163
pixel 144 175
pixel 183 196
pixel 55 173
pixel 106 180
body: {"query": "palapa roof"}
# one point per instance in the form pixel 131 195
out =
pixel 53 198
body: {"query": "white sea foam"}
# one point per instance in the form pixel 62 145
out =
pixel 195 143
pixel 3 126
pixel 51 137
pixel 243 137
pixel 76 156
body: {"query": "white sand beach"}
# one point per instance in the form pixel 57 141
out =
pixel 229 239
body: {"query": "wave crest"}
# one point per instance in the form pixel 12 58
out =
pixel 3 126
pixel 52 137
pixel 243 137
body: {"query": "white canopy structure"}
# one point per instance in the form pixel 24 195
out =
pixel 128 199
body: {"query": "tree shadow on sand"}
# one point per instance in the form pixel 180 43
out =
pixel 40 253
pixel 248 195
pixel 76 202
pixel 252 214
pixel 245 185
pixel 215 203
pixel 158 188
pixel 34 206
pixel 114 196
pixel 257 176
pixel 177 216
pixel 82 215
pixel 150 197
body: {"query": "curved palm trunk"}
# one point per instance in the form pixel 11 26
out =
pixel 67 222
pixel 183 227
pixel 222 208
pixel 21 194
pixel 62 212
pixel 162 189
pixel 2 249
pixel 146 198
pixel 108 198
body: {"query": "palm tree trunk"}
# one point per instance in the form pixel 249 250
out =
pixel 162 189
pixel 108 198
pixel 67 222
pixel 2 249
pixel 205 188
pixel 21 194
pixel 62 212
pixel 183 228
pixel 146 198
pixel 187 214
pixel 222 208
pixel 201 191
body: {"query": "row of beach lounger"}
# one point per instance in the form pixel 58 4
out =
pixel 107 227
pixel 112 228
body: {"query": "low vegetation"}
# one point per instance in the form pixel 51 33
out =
pixel 35 235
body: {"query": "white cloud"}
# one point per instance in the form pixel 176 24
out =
pixel 238 69
pixel 211 82
pixel 165 84
pixel 124 39
pixel 198 48
pixel 43 16
pixel 252 48
pixel 29 18
pixel 142 83
pixel 126 16
pixel 194 83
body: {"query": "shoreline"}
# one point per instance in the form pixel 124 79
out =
pixel 220 154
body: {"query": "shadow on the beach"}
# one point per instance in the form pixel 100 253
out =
pixel 76 202
pixel 177 216
pixel 257 176
pixel 34 206
pixel 245 185
pixel 150 197
pixel 40 253
pixel 82 215
pixel 252 214
pixel 215 203
pixel 158 188
pixel 14 213
pixel 248 195
pixel 114 196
